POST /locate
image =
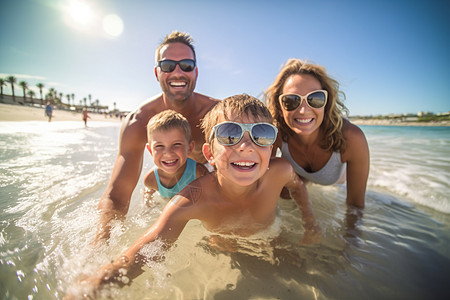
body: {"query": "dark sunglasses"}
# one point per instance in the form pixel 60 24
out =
pixel 230 133
pixel 168 65
pixel 314 99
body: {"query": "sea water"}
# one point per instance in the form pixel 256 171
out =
pixel 53 174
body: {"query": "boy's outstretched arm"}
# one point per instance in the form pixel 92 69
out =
pixel 298 192
pixel 167 228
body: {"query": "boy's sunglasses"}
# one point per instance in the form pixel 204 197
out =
pixel 168 65
pixel 230 133
pixel 315 99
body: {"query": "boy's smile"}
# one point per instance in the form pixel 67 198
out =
pixel 243 163
pixel 169 149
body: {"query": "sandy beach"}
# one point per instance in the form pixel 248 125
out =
pixel 10 112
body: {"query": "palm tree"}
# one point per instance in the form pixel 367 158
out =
pixel 90 99
pixel 84 100
pixel 68 100
pixel 2 83
pixel 41 86
pixel 53 93
pixel 31 94
pixel 12 80
pixel 24 86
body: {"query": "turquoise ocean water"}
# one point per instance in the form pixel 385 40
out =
pixel 397 247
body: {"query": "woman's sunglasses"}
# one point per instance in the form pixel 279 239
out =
pixel 168 65
pixel 315 99
pixel 230 133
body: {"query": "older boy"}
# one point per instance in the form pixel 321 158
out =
pixel 240 197
pixel 170 143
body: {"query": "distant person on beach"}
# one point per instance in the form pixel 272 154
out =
pixel 176 71
pixel 169 143
pixel 240 197
pixel 49 111
pixel 85 116
pixel 321 145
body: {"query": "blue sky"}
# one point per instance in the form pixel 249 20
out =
pixel 389 56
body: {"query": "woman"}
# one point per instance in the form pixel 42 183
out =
pixel 322 146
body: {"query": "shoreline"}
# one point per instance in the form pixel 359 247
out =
pixel 373 122
pixel 18 113
pixel 14 112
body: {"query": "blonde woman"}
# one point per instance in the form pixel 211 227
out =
pixel 321 145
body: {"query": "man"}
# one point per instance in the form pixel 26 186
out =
pixel 177 72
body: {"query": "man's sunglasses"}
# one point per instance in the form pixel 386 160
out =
pixel 168 65
pixel 315 99
pixel 230 133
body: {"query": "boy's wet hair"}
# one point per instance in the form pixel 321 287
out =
pixel 236 106
pixel 168 119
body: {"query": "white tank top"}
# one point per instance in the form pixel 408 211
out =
pixel 329 174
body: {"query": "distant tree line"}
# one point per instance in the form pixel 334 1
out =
pixel 53 96
pixel 428 117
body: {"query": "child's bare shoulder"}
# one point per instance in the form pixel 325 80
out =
pixel 201 170
pixel 279 169
pixel 280 164
pixel 197 190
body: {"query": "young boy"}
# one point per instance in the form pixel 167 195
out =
pixel 169 143
pixel 240 197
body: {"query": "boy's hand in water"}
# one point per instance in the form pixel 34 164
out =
pixel 312 235
pixel 88 286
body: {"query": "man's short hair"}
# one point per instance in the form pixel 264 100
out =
pixel 175 37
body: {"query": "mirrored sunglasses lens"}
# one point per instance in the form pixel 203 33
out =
pixel 228 134
pixel 187 65
pixel 290 102
pixel 263 134
pixel 167 66
pixel 317 99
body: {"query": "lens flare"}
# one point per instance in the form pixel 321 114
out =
pixel 113 25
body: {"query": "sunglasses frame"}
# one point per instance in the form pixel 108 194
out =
pixel 244 127
pixel 177 62
pixel 303 98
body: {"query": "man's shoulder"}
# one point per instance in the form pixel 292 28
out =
pixel 146 110
pixel 204 99
pixel 203 103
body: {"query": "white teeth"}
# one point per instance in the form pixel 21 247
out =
pixel 244 164
pixel 170 161
pixel 303 120
pixel 178 83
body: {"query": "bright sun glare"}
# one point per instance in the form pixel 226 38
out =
pixel 80 13
pixel 83 16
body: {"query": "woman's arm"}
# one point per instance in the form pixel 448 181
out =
pixel 358 160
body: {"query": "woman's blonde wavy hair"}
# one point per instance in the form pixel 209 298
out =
pixel 334 109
